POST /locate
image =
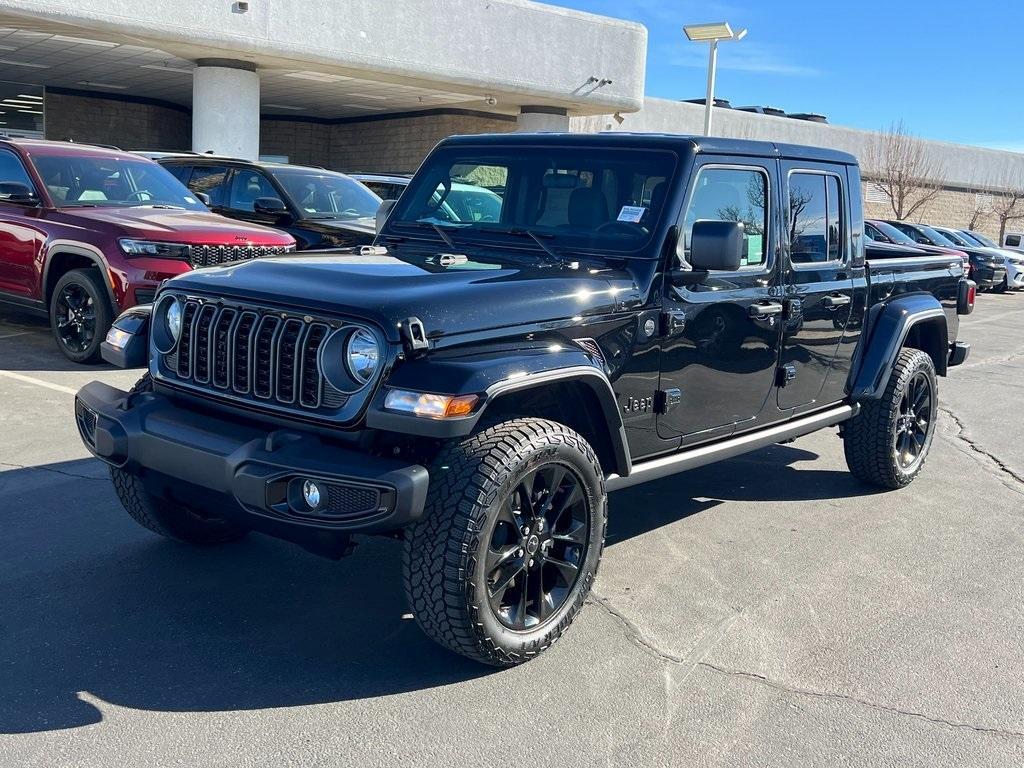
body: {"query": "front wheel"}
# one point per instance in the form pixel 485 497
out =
pixel 510 540
pixel 80 315
pixel 887 443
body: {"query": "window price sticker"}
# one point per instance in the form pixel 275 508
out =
pixel 632 213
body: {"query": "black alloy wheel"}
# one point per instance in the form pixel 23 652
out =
pixel 76 318
pixel 80 314
pixel 913 424
pixel 536 548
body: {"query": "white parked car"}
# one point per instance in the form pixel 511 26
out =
pixel 1014 257
pixel 1014 260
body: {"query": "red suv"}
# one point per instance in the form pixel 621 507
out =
pixel 86 232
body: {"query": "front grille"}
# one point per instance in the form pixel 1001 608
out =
pixel 254 354
pixel 215 255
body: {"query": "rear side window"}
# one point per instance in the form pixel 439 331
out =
pixel 210 180
pixel 817 223
pixel 1013 241
pixel 12 170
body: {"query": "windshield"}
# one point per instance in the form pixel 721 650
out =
pixel 322 194
pixel 936 237
pixel 896 235
pixel 590 198
pixel 97 180
pixel 956 238
pixel 980 239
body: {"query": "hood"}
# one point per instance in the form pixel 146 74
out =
pixel 995 255
pixel 466 296
pixel 177 226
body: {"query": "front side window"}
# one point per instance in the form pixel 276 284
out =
pixel 326 195
pixel 816 219
pixel 732 194
pixel 111 182
pixel 572 197
pixel 12 171
pixel 1013 241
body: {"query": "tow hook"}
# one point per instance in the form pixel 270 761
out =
pixel 414 336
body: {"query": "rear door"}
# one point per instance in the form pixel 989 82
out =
pixel 818 284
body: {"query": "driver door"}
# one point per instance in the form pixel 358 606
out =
pixel 723 334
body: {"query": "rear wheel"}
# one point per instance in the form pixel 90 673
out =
pixel 80 315
pixel 510 541
pixel 887 443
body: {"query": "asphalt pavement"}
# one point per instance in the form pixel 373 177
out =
pixel 765 611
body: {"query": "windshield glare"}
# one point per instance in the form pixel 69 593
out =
pixel 896 235
pixel 981 239
pixel 84 180
pixel 327 195
pixel 936 237
pixel 576 198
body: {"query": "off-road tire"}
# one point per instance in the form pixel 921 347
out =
pixel 443 564
pixel 869 439
pixel 166 518
pixel 90 281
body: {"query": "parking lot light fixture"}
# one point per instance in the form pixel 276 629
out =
pixel 713 34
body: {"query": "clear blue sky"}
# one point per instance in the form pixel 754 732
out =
pixel 952 71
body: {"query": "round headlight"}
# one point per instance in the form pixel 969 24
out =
pixel 362 355
pixel 174 318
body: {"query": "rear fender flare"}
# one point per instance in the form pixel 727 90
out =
pixel 889 326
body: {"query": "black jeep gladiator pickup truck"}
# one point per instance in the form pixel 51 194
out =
pixel 641 305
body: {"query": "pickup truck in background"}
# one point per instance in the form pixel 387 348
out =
pixel 86 232
pixel 637 306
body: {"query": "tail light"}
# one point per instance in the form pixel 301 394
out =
pixel 965 297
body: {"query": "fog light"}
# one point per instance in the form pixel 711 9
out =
pixel 311 494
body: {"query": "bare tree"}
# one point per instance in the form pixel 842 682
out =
pixel 1008 205
pixel 906 173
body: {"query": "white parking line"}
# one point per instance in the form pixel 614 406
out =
pixel 12 335
pixel 38 382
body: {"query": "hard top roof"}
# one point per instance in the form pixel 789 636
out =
pixel 676 142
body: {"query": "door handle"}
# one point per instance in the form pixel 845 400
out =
pixel 765 310
pixel 839 300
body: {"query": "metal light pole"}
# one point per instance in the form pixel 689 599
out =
pixel 711 33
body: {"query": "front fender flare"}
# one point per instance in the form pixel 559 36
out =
pixel 889 324
pixel 495 375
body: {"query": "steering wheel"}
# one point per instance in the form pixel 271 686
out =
pixel 623 227
pixel 350 212
pixel 138 194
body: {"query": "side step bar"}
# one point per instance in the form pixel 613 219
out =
pixel 727 449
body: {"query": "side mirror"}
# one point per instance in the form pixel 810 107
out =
pixel 717 245
pixel 203 198
pixel 382 213
pixel 16 192
pixel 269 206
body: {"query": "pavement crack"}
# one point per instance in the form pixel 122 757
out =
pixel 763 680
pixel 633 632
pixel 9 465
pixel 976 448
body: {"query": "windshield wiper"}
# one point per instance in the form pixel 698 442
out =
pixel 444 235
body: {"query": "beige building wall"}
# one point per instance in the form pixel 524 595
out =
pixel 129 124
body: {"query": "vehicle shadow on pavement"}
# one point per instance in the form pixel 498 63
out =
pixel 26 344
pixel 95 609
pixel 765 475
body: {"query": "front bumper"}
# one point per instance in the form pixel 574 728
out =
pixel 236 469
pixel 987 276
pixel 1014 275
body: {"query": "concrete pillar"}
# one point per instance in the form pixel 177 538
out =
pixel 546 119
pixel 226 108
